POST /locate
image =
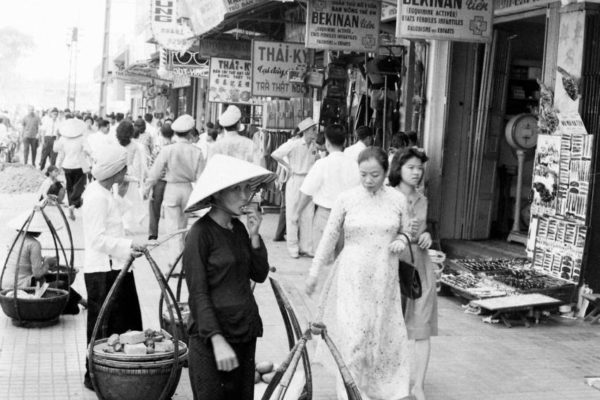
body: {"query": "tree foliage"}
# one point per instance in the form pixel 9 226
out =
pixel 13 45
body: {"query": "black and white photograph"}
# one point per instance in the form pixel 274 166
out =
pixel 300 200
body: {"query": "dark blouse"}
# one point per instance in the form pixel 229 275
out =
pixel 218 265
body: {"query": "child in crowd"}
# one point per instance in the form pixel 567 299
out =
pixel 51 187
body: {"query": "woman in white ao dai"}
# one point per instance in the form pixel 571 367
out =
pixel 360 302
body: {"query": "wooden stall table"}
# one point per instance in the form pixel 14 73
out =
pixel 502 307
pixel 594 299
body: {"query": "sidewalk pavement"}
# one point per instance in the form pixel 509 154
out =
pixel 470 360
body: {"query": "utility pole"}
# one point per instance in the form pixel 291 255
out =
pixel 104 78
pixel 72 82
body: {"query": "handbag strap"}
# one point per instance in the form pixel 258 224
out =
pixel 412 256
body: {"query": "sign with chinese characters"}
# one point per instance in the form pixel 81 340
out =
pixel 351 25
pixel 458 20
pixel 168 29
pixel 272 63
pixel 230 81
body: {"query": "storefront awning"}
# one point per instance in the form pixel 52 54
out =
pixel 208 16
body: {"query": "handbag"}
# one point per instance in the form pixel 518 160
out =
pixel 410 281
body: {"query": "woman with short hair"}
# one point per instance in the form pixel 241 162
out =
pixel 406 175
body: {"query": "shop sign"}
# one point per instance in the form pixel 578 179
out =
pixel 351 25
pixel 388 12
pixel 504 7
pixel 205 14
pixel 181 81
pixel 241 49
pixel 230 80
pixel 457 20
pixel 272 63
pixel 168 29
pixel 190 72
pixel 571 124
pixel 136 78
pixel 237 5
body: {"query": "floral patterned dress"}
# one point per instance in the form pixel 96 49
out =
pixel 360 303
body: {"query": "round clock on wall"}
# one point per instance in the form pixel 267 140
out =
pixel 522 131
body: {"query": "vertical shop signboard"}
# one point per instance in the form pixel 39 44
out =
pixel 230 80
pixel 351 25
pixel 204 15
pixel 168 28
pixel 457 20
pixel 273 63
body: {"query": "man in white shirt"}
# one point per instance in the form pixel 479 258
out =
pixel 298 156
pixel 48 132
pixel 329 177
pixel 364 139
pixel 232 143
pixel 98 140
pixel 151 128
pixel 107 250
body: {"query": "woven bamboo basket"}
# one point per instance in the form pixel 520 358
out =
pixel 49 307
pixel 145 378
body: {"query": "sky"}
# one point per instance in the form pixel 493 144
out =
pixel 49 23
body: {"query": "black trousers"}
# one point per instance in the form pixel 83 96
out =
pixel 124 313
pixel 158 193
pixel 280 231
pixel 210 384
pixel 29 143
pixel 48 152
pixel 76 181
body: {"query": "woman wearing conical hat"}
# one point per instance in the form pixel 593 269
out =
pixel 219 259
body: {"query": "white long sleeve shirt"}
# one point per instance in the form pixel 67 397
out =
pixel 329 177
pixel 104 235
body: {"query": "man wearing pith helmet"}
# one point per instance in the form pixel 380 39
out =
pixel 298 156
pixel 183 163
pixel 231 143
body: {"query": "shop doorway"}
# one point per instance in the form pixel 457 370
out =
pixel 490 84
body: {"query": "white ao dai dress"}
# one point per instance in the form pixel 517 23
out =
pixel 360 303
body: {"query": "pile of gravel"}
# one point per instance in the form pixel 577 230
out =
pixel 19 178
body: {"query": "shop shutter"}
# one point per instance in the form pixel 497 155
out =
pixel 590 114
pixel 488 133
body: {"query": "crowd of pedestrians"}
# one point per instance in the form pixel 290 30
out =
pixel 354 209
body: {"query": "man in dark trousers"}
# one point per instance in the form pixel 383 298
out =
pixel 48 133
pixel 31 134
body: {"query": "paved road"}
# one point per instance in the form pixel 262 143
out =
pixel 470 360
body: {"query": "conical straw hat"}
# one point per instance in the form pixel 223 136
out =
pixel 222 172
pixel 38 223
pixel 72 128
